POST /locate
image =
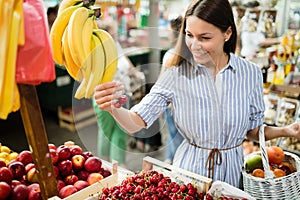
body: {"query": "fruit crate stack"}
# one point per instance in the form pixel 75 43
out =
pixel 75 120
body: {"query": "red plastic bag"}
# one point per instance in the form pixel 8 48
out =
pixel 35 62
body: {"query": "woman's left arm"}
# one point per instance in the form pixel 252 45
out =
pixel 272 132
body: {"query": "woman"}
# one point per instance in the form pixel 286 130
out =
pixel 217 97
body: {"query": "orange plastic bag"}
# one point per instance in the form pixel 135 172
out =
pixel 35 62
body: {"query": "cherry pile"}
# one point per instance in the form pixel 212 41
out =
pixel 151 185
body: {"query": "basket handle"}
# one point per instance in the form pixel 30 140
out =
pixel 262 146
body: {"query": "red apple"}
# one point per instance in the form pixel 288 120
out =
pixel 83 175
pixel 14 183
pixel 106 173
pixel 63 152
pixel 29 166
pixel 87 154
pixel 54 156
pixel 20 192
pixel 60 184
pixel 17 168
pixel 52 146
pixel 34 192
pixel 5 190
pixel 76 150
pixel 2 163
pixel 32 176
pixel 94 177
pixel 65 167
pixel 81 184
pixel 67 191
pixel 25 157
pixel 6 174
pixel 71 179
pixel 78 161
pixel 93 164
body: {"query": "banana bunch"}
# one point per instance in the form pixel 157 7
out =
pixel 11 34
pixel 89 54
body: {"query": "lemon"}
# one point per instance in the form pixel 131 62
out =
pixel 5 149
pixel 13 155
pixel 4 155
pixel 6 161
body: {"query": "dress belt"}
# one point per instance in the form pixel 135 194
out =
pixel 214 152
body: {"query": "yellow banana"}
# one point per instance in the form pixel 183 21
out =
pixel 75 28
pixel 87 33
pixel 64 4
pixel 57 31
pixel 98 66
pixel 81 90
pixel 71 67
pixel 111 55
pixel 7 96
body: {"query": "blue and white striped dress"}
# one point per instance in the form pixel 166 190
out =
pixel 209 113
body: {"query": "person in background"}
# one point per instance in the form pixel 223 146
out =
pixel 217 96
pixel 174 138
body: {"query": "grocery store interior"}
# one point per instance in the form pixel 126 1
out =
pixel 143 34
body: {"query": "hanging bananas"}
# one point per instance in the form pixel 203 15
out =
pixel 89 54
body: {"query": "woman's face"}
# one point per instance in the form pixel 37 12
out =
pixel 204 40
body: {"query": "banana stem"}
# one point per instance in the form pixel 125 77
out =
pixel 97 12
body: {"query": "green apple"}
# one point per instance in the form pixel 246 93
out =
pixel 253 162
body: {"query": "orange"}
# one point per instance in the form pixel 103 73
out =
pixel 279 173
pixel 258 173
pixel 275 154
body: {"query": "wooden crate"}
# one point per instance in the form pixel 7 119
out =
pixel 76 120
pixel 92 191
pixel 202 183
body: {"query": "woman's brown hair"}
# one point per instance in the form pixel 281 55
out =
pixel 216 12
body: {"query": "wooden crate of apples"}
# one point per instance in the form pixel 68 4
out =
pixel 74 170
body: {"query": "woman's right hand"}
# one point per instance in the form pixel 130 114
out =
pixel 106 95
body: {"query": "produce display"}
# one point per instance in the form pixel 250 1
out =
pixel 88 53
pixel 278 164
pixel 75 170
pixel 151 185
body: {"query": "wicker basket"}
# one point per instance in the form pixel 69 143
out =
pixel 287 187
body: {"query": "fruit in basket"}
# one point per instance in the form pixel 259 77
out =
pixel 54 156
pixel 63 152
pixel 78 161
pixel 279 173
pixel 253 162
pixel 275 154
pixel 83 175
pixel 71 179
pixel 67 191
pixel 154 186
pixel 93 164
pixel 25 157
pixel 29 166
pixel 2 163
pixel 76 150
pixel 65 167
pixel 52 146
pixel 17 168
pixel 32 176
pixel 258 173
pixel 20 192
pixel 60 184
pixel 94 178
pixel 34 192
pixel 6 175
pixel 287 167
pixel 80 184
pixel 5 190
